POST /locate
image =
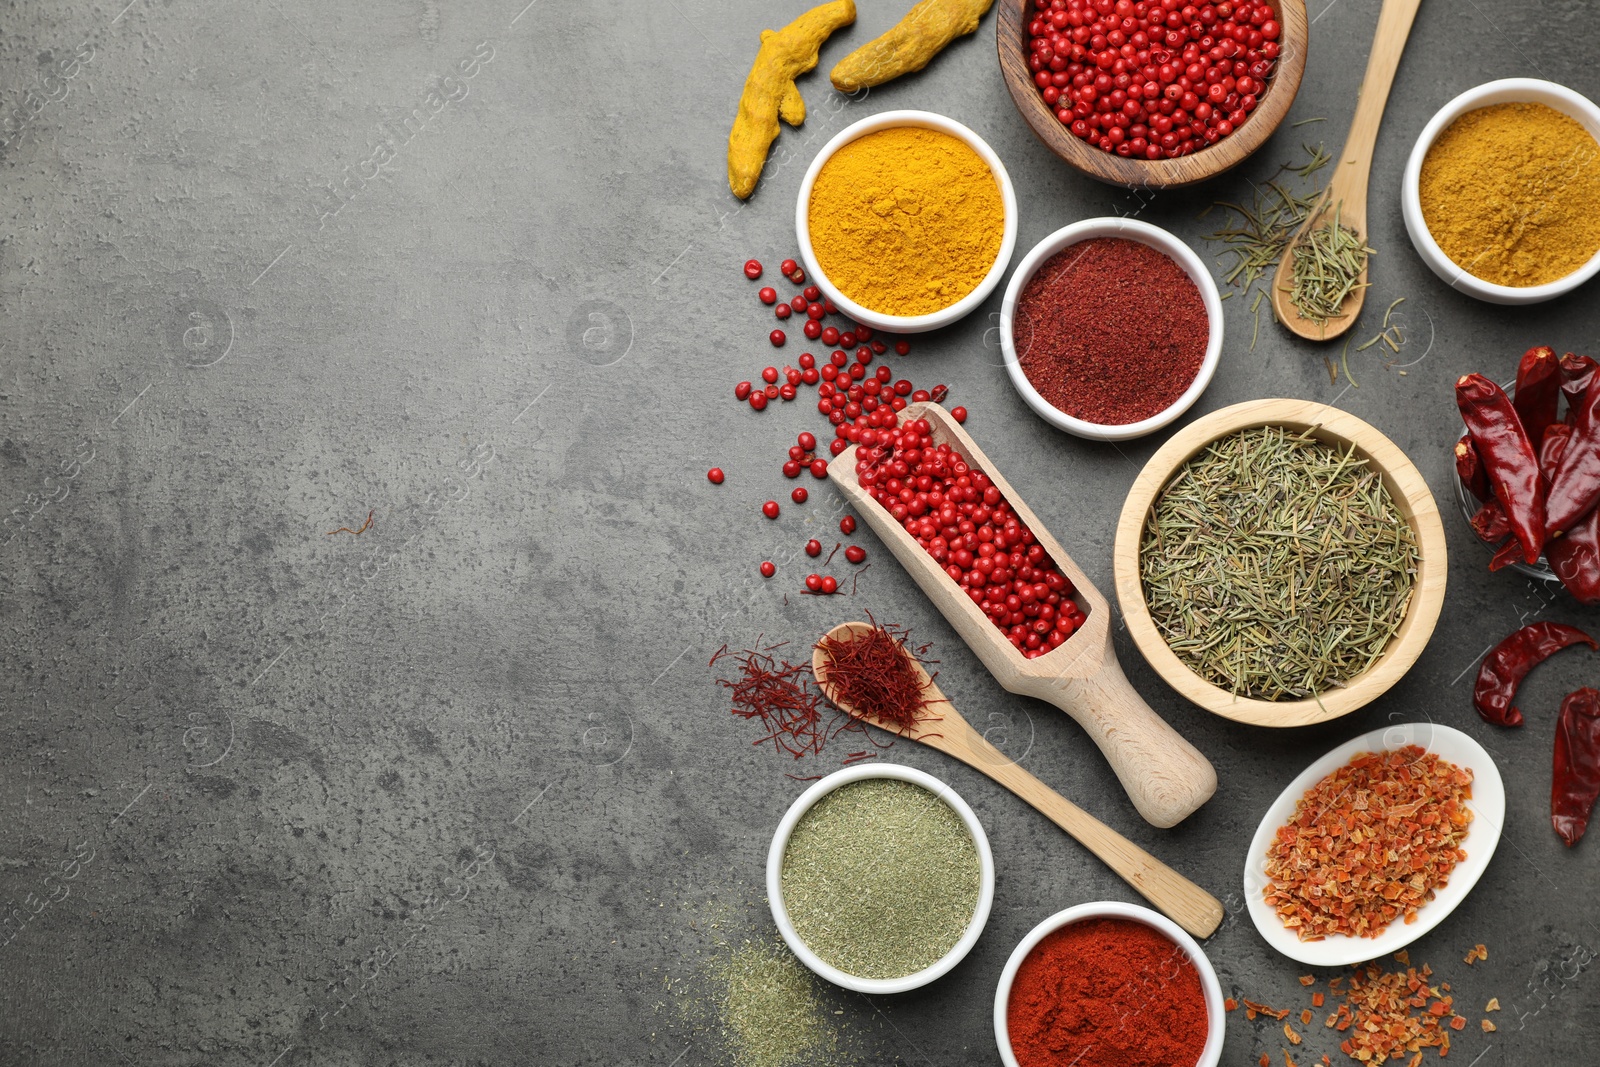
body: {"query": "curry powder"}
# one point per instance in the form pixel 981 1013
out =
pixel 906 221
pixel 1511 193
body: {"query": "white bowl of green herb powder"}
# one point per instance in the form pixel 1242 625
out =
pixel 880 878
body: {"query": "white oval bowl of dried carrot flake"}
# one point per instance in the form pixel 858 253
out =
pixel 1374 844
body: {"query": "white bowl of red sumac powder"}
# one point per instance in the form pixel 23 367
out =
pixel 1108 985
pixel 1111 328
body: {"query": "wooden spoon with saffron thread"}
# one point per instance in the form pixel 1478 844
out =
pixel 945 730
pixel 1346 194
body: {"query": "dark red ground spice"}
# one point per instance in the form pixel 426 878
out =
pixel 1111 331
pixel 1107 993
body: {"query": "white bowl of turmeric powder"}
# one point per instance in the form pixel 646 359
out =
pixel 1500 192
pixel 907 221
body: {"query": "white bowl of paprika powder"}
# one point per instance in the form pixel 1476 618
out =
pixel 907 221
pixel 1111 328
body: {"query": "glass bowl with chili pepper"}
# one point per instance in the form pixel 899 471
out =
pixel 1535 395
pixel 852 897
pixel 1072 983
pixel 1111 328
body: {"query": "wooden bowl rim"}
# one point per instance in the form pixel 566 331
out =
pixel 1405 484
pixel 1271 109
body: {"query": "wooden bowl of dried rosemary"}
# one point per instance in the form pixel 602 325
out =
pixel 1280 562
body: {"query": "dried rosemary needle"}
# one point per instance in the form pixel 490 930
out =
pixel 1328 263
pixel 1276 566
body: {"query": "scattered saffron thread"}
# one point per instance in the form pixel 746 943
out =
pixel 345 529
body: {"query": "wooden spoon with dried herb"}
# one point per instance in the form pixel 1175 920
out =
pixel 1322 277
pixel 934 722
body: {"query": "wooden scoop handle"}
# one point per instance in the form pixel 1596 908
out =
pixel 1166 777
pixel 1185 903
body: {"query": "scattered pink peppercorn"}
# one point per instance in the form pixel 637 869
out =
pixel 770 509
pixel 813 547
pixel 959 414
pixel 767 569
pixel 799 495
pixel 777 338
pixel 847 525
pixel 855 553
pixel 715 475
pixel 752 269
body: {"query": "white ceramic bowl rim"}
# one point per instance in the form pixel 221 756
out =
pixel 1488 806
pixel 980 913
pixel 1502 91
pixel 933 319
pixel 1134 230
pixel 1216 1019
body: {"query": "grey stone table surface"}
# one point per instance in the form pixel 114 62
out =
pixel 462 789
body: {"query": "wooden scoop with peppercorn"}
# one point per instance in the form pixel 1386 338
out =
pixel 867 674
pixel 1015 597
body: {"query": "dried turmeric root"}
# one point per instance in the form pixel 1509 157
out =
pixel 909 46
pixel 770 92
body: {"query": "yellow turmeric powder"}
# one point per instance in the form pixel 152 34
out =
pixel 1511 193
pixel 906 221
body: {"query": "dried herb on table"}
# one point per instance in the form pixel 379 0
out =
pixel 1276 566
pixel 1508 458
pixel 1509 662
pixel 1369 844
pixel 1329 260
pixel 782 696
pixel 1575 781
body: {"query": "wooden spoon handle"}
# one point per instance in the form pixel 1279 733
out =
pixel 1352 167
pixel 1173 895
pixel 1166 777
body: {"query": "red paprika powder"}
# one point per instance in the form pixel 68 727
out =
pixel 1107 993
pixel 1111 331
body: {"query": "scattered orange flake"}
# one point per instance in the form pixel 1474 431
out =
pixel 1266 1060
pixel 1229 1004
pixel 1403 958
pixel 1369 844
pixel 1488 1027
pixel 1305 1016
pixel 1289 1035
pixel 1251 1008
pixel 1317 1000
pixel 1458 1021
pixel 1477 952
pixel 1288 1061
pixel 1308 979
pixel 1493 1005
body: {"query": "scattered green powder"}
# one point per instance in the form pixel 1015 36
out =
pixel 770 1009
pixel 880 878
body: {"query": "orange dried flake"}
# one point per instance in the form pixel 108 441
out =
pixel 1457 1022
pixel 1266 1060
pixel 1305 1016
pixel 1229 1004
pixel 1493 1005
pixel 1288 1060
pixel 1289 1035
pixel 1369 844
pixel 1252 1009
pixel 1318 999
pixel 1308 979
pixel 1477 952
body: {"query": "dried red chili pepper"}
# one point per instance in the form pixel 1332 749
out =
pixel 1538 391
pixel 1491 524
pixel 1508 458
pixel 1509 662
pixel 1576 371
pixel 1574 556
pixel 1575 783
pixel 1575 486
pixel 1469 468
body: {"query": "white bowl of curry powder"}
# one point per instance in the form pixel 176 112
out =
pixel 907 221
pixel 1500 190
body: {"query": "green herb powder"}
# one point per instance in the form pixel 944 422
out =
pixel 1276 566
pixel 880 878
pixel 771 1013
